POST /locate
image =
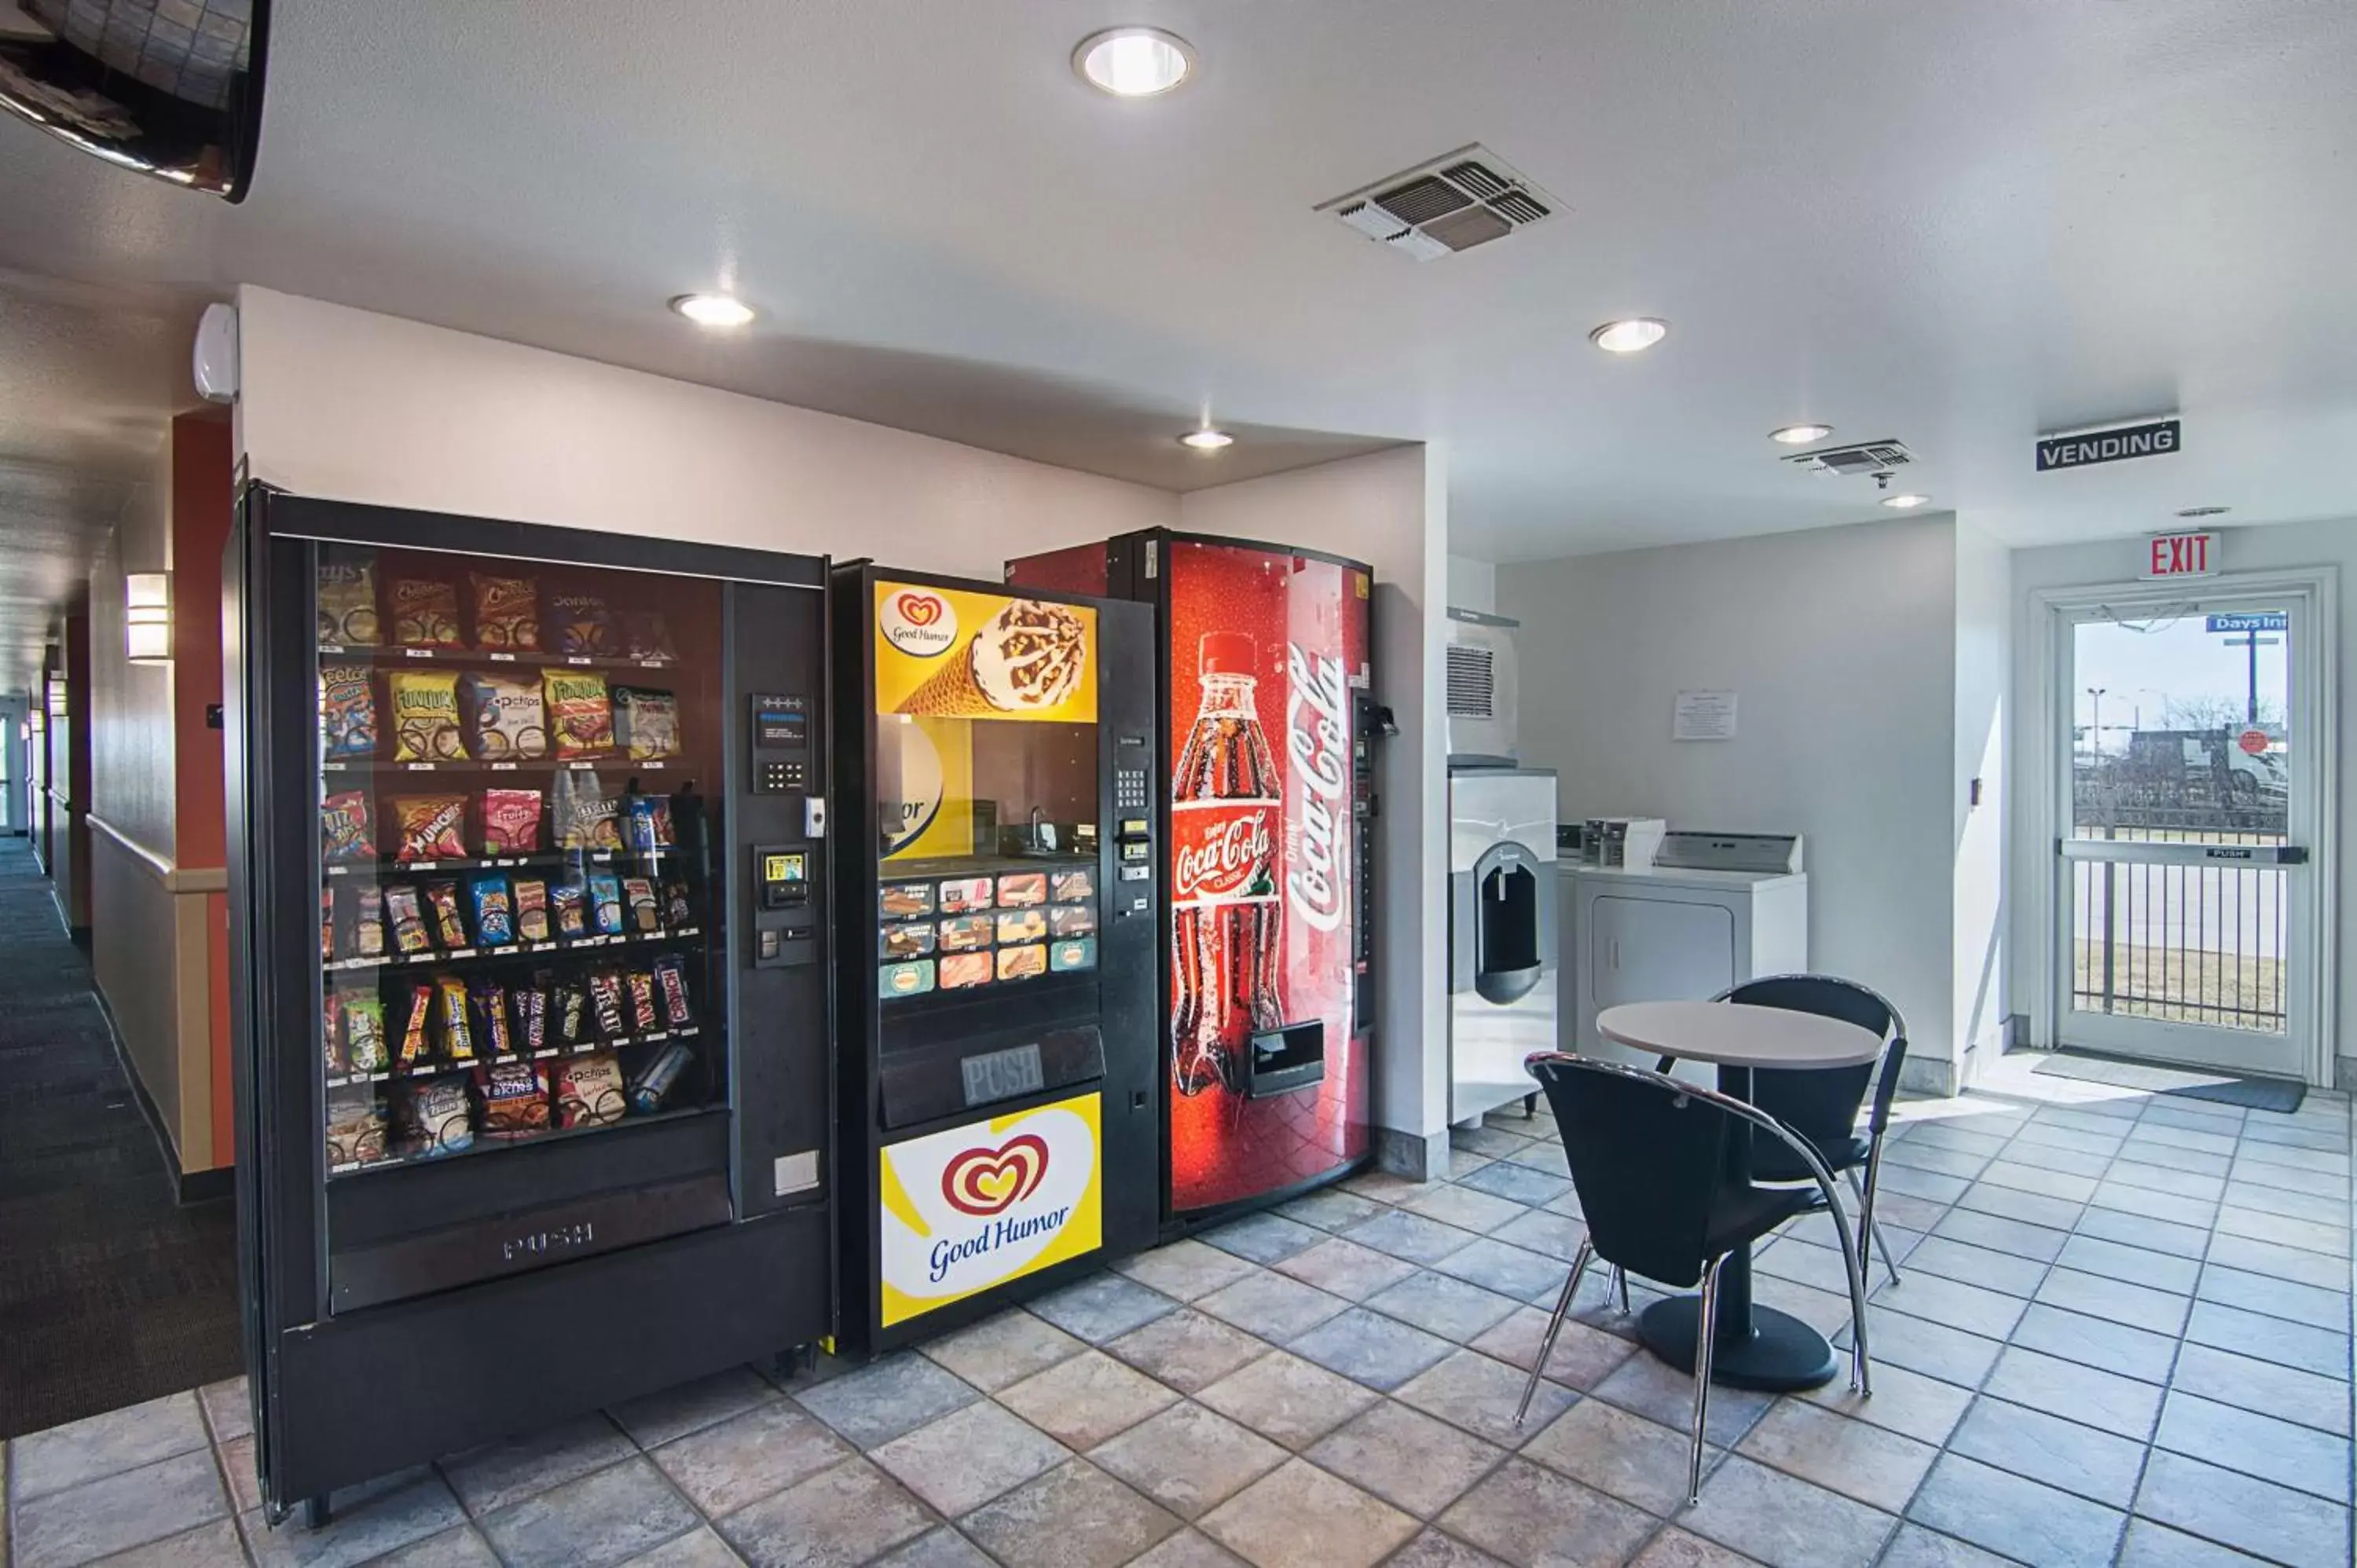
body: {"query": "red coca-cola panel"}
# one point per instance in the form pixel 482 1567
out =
pixel 1265 647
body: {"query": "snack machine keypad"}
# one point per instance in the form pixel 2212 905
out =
pixel 779 742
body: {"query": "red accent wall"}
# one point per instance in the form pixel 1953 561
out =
pixel 203 478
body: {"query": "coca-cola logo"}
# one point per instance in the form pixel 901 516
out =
pixel 1228 851
pixel 1317 739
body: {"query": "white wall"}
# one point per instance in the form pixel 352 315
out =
pixel 1984 710
pixel 356 406
pixel 1841 645
pixel 1389 509
pixel 1472 585
pixel 2279 547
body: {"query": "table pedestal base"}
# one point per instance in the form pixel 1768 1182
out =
pixel 1779 1355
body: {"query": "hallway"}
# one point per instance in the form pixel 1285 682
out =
pixel 113 1294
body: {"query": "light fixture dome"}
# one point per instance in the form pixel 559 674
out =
pixel 1906 500
pixel 1206 439
pixel 715 310
pixel 1633 335
pixel 1799 434
pixel 1134 62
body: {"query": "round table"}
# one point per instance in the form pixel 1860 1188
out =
pixel 1759 1347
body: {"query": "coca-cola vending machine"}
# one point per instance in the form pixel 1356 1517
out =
pixel 1267 707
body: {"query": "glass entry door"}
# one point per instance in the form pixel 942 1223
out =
pixel 2187 805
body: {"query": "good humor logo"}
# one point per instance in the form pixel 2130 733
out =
pixel 917 622
pixel 987 1183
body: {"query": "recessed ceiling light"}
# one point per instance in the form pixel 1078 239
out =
pixel 1134 62
pixel 1906 500
pixel 714 309
pixel 1800 435
pixel 1206 440
pixel 2203 510
pixel 1633 335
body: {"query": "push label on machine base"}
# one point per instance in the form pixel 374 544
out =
pixel 976 1206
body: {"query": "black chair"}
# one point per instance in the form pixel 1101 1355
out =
pixel 1648 1158
pixel 1822 1104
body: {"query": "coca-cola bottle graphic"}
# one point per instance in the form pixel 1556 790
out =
pixel 1227 916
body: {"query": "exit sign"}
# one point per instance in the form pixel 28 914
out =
pixel 2180 555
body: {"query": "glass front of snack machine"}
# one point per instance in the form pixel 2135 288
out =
pixel 516 911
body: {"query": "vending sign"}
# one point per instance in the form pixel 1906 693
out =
pixel 977 1206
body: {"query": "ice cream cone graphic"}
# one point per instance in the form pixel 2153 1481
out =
pixel 1027 658
pixel 951 691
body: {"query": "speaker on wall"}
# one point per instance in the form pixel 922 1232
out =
pixel 168 88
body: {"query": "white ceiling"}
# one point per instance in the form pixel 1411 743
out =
pixel 1957 222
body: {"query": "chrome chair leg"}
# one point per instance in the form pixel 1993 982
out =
pixel 1706 1339
pixel 1555 1326
pixel 1865 1225
pixel 1617 1283
pixel 1854 1265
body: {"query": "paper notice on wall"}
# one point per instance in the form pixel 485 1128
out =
pixel 1704 715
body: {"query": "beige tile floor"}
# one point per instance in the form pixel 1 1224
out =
pixel 2123 1337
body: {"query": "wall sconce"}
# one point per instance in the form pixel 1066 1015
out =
pixel 147 617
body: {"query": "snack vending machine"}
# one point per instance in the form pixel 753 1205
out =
pixel 997 912
pixel 530 973
pixel 1266 703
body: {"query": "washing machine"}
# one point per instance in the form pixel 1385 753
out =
pixel 1712 911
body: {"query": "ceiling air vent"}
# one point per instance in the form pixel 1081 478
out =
pixel 1863 458
pixel 1464 199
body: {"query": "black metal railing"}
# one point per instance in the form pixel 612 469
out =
pixel 2190 943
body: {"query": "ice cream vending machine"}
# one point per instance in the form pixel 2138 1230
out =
pixel 997 906
pixel 1264 700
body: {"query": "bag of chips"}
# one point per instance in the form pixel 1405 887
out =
pixel 580 712
pixel 589 1090
pixel 494 914
pixel 347 711
pixel 428 827
pixel 458 1027
pixel 424 715
pixel 368 923
pixel 638 895
pixel 585 629
pixel 605 903
pixel 347 602
pixel 671 980
pixel 645 636
pixel 571 902
pixel 364 1044
pixel 406 915
pixel 442 904
pixel 435 1118
pixel 586 815
pixel 515 1098
pixel 505 717
pixel 532 909
pixel 414 1045
pixel 507 611
pixel 344 827
pixel 511 821
pixel 425 613
pixel 355 1128
pixel 646 723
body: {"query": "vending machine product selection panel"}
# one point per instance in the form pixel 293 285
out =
pixel 529 982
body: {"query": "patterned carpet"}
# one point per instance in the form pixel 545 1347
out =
pixel 112 1293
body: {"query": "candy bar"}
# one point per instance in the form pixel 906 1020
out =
pixel 640 984
pixel 457 1028
pixel 403 907
pixel 414 1044
pixel 532 909
pixel 606 902
pixel 671 980
pixel 638 895
pixel 449 928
